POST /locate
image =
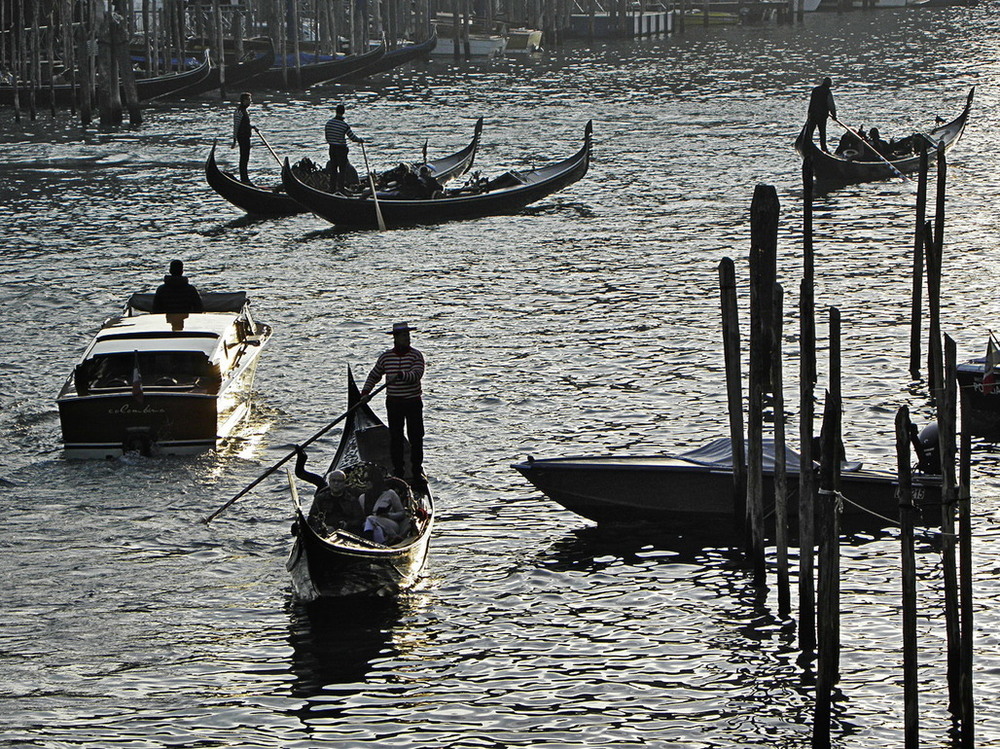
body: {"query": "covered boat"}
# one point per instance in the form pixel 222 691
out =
pixel 163 383
pixel 865 166
pixel 694 490
pixel 506 193
pixel 344 562
pixel 275 202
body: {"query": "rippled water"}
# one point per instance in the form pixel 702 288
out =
pixel 588 323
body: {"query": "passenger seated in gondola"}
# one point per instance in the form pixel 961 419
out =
pixel 384 510
pixel 430 185
pixel 875 142
pixel 851 145
pixel 332 506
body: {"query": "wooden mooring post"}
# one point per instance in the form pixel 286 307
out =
pixel 968 734
pixel 946 406
pixel 780 468
pixel 764 210
pixel 828 537
pixel 911 713
pixel 734 387
pixel 807 385
pixel 918 264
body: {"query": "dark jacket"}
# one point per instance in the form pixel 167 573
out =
pixel 177 295
pixel 821 104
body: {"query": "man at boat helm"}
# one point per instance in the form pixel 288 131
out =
pixel 403 368
pixel 821 107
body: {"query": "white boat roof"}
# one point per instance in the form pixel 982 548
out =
pixel 155 332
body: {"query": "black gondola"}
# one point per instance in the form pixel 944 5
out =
pixel 345 563
pixel 396 57
pixel 261 201
pixel 237 73
pixel 154 87
pixel 313 73
pixel 854 166
pixel 507 193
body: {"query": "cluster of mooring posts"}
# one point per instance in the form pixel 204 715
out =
pixel 818 508
pixel 93 45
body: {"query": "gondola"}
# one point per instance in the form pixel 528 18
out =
pixel 237 73
pixel 507 193
pixel 852 166
pixel 393 58
pixel 261 201
pixel 154 87
pixel 314 73
pixel 344 563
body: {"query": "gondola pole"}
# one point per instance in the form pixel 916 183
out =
pixel 872 149
pixel 268 145
pixel 371 181
pixel 276 466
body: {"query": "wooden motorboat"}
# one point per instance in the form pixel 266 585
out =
pixel 345 563
pixel 261 201
pixel 507 193
pixel 286 74
pixel 147 89
pixel 865 166
pixel 163 383
pixel 695 489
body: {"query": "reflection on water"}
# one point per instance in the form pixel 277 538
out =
pixel 334 643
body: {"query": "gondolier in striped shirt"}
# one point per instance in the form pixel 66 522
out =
pixel 337 133
pixel 403 368
pixel 241 134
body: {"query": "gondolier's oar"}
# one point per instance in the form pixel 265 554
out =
pixel 268 145
pixel 285 459
pixel 872 149
pixel 371 181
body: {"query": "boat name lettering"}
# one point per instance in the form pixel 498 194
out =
pixel 126 408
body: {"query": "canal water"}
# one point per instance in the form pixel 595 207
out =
pixel 588 323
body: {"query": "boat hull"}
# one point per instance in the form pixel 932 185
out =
pixel 676 492
pixel 981 401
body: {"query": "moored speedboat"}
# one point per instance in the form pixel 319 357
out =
pixel 695 489
pixel 163 383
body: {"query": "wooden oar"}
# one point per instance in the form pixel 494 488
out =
pixel 371 181
pixel 872 148
pixel 285 459
pixel 268 146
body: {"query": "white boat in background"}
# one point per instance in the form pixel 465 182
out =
pixel 524 41
pixel 480 45
pixel 484 40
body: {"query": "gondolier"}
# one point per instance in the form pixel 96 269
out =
pixel 337 133
pixel 403 368
pixel 821 108
pixel 241 134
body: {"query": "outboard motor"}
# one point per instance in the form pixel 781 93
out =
pixel 928 450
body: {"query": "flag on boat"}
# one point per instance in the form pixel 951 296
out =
pixel 136 379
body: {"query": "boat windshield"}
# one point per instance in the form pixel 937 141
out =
pixel 183 370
